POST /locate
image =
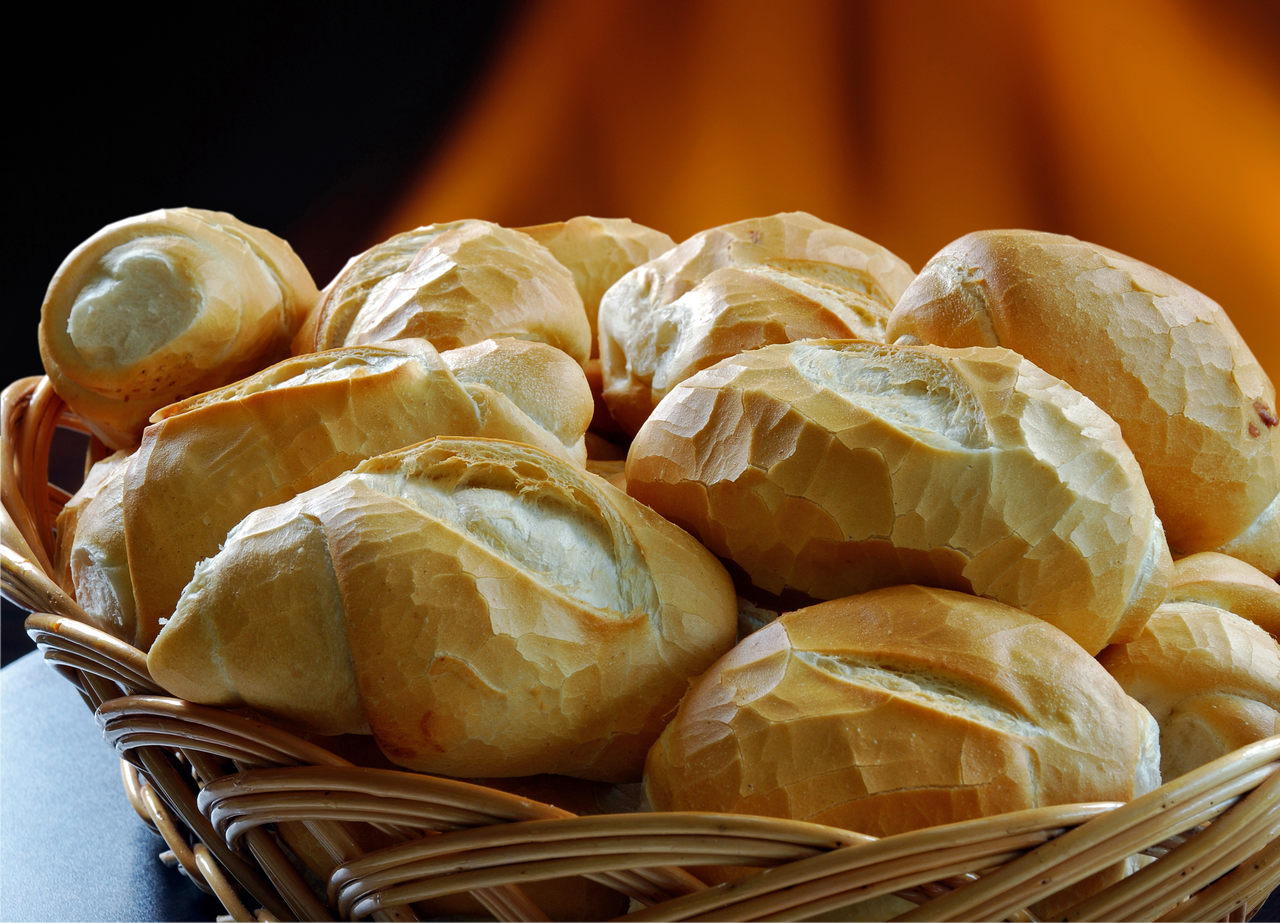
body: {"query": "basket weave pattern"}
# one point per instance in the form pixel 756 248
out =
pixel 225 789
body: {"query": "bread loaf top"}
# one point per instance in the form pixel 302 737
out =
pixel 505 612
pixel 208 461
pixel 599 251
pixel 817 264
pixel 159 306
pixel 833 467
pixel 898 709
pixel 453 284
pixel 1209 677
pixel 1161 358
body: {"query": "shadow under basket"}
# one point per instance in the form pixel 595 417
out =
pixel 282 827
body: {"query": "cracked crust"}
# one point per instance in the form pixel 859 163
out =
pixel 208 462
pixel 1210 678
pixel 507 613
pixel 453 284
pixel 832 467
pixel 163 305
pixel 774 279
pixel 1160 357
pixel 902 708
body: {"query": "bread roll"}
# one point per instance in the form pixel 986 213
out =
pixel 1228 583
pixel 898 709
pixel 92 557
pixel 1210 678
pixel 829 281
pixel 453 284
pixel 163 305
pixel 833 467
pixel 599 251
pixel 1160 357
pixel 506 613
pixel 208 461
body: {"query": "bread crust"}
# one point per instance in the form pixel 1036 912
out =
pixel 599 251
pixel 833 467
pixel 902 708
pixel 826 281
pixel 453 284
pixel 159 306
pixel 506 612
pixel 1161 358
pixel 1210 678
pixel 207 462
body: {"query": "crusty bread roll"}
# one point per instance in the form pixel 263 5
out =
pixel 156 307
pixel 902 708
pixel 599 251
pixel 1209 677
pixel 208 461
pixel 1160 357
pixel 92 559
pixel 827 281
pixel 506 613
pixel 453 284
pixel 1220 580
pixel 832 467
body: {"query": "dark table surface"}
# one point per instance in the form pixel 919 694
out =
pixel 71 846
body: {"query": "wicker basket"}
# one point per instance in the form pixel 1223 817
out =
pixel 277 826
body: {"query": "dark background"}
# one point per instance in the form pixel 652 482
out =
pixel 303 119
pixel 299 118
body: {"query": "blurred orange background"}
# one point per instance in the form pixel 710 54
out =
pixel 1149 126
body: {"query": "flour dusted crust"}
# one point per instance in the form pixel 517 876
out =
pixel 1160 357
pixel 832 467
pixel 1209 677
pixel 825 281
pixel 506 612
pixel 453 284
pixel 208 461
pixel 898 709
pixel 163 305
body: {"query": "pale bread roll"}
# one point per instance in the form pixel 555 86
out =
pixel 92 557
pixel 824 265
pixel 827 468
pixel 159 306
pixel 208 461
pixel 453 284
pixel 1160 357
pixel 898 709
pixel 507 613
pixel 599 251
pixel 732 310
pixel 1209 677
pixel 1220 580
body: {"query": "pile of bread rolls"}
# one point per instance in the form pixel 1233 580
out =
pixel 765 519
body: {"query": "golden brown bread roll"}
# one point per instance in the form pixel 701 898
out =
pixel 454 284
pixel 828 281
pixel 208 461
pixel 902 708
pixel 506 613
pixel 1220 580
pixel 599 251
pixel 1160 357
pixel 92 558
pixel 1209 677
pixel 832 467
pixel 159 306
